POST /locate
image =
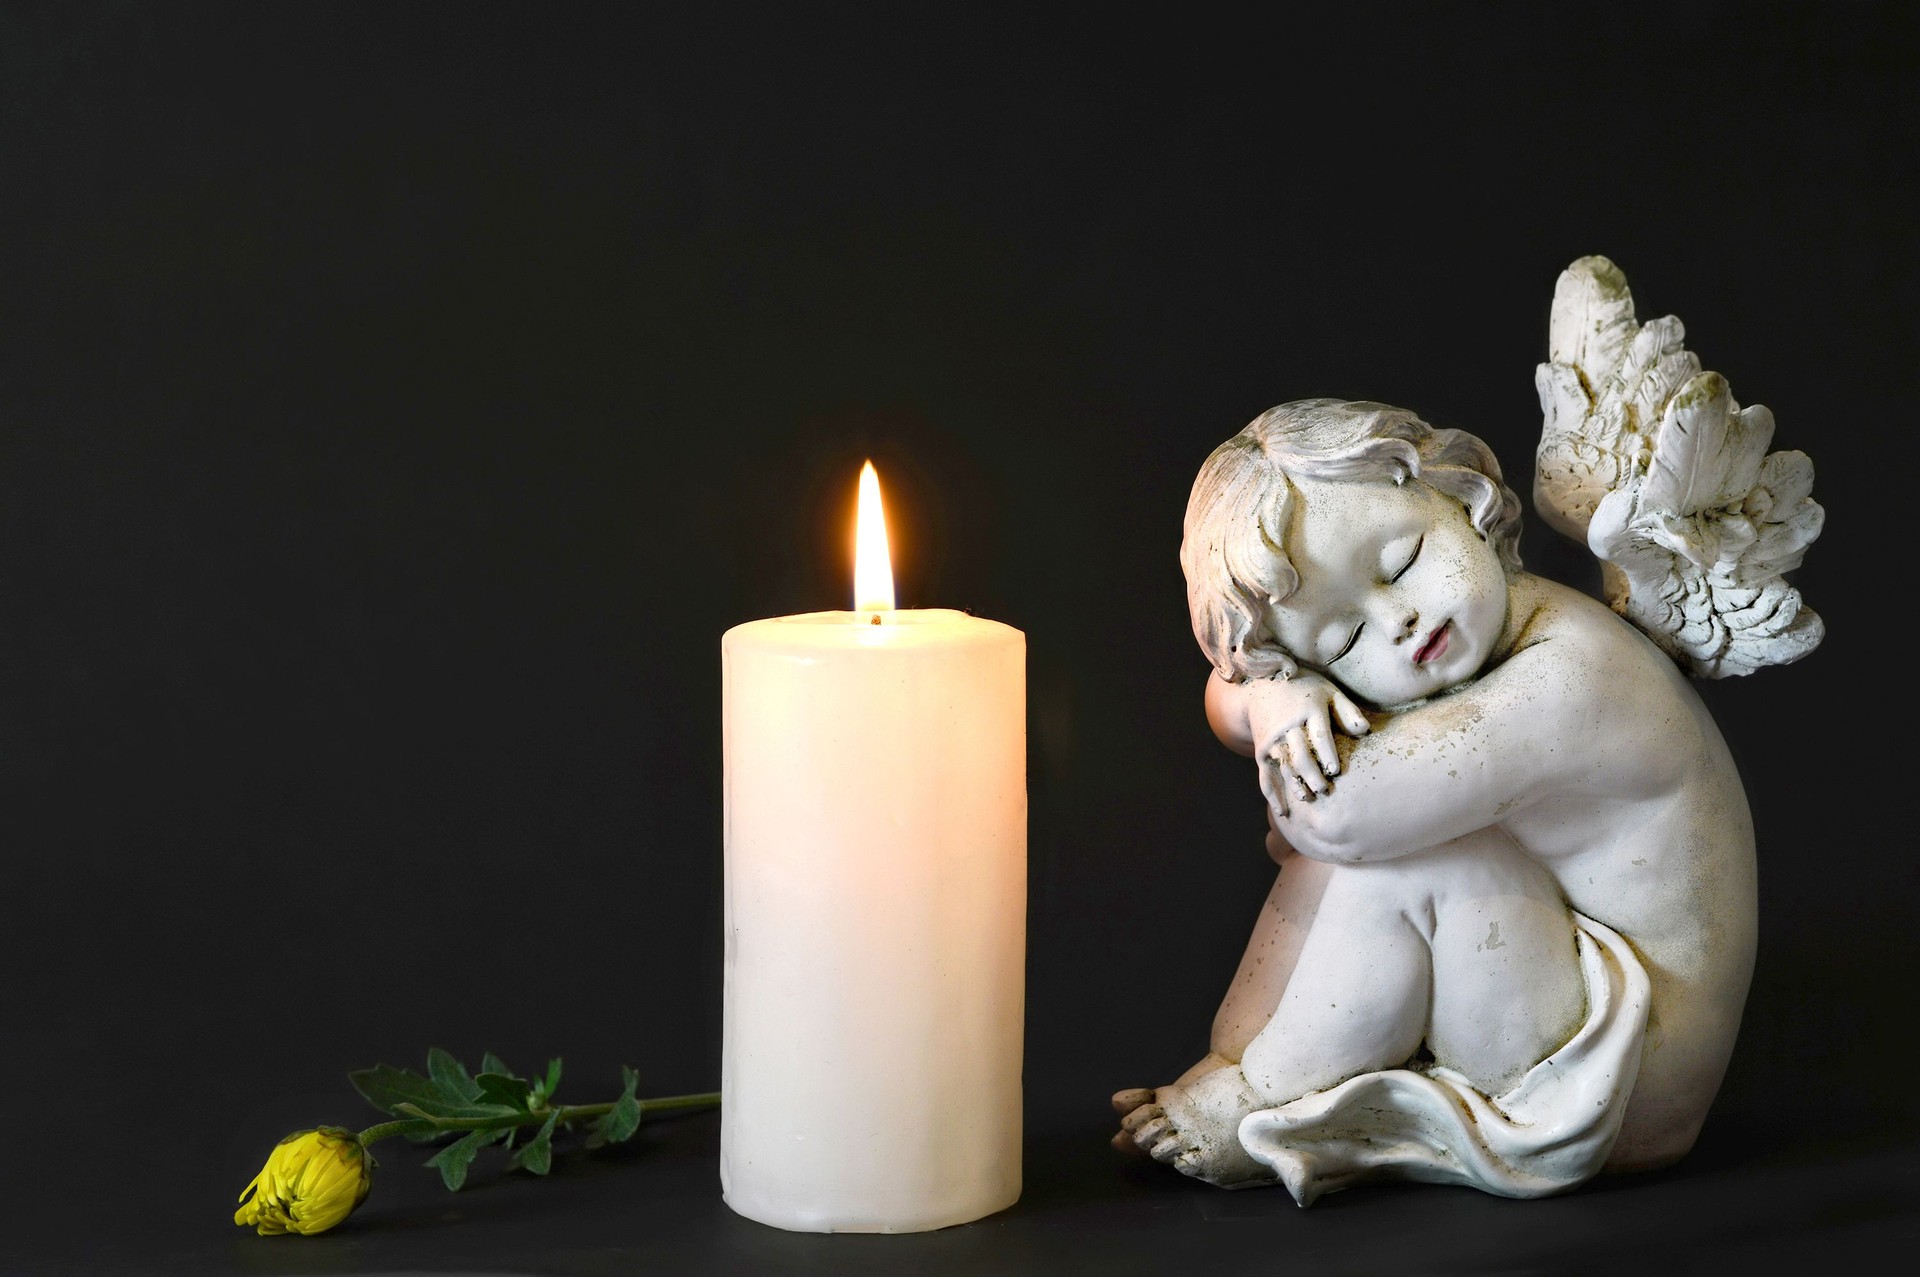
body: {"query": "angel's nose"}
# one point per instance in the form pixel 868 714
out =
pixel 1409 626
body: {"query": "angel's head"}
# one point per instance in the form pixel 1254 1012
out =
pixel 1353 538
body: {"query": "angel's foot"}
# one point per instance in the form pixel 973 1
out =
pixel 1194 1127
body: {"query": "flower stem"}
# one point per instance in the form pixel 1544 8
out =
pixel 420 1125
pixel 681 1103
pixel 408 1126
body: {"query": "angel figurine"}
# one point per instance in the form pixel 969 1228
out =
pixel 1514 923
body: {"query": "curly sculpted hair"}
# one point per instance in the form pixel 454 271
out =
pixel 1234 551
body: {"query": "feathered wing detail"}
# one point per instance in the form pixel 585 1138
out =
pixel 1651 462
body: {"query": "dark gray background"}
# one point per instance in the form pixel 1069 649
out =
pixel 396 403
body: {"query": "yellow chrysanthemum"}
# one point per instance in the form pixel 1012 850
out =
pixel 312 1181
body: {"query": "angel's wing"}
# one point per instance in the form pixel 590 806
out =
pixel 1651 462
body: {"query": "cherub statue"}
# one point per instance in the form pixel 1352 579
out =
pixel 1514 923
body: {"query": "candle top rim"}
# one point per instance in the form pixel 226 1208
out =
pixel 903 627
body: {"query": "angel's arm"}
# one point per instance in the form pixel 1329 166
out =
pixel 1227 714
pixel 1549 720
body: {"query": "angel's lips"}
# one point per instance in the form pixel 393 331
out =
pixel 1436 645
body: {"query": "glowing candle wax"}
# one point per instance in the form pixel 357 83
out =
pixel 876 839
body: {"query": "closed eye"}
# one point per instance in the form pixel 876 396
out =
pixel 1409 563
pixel 1351 640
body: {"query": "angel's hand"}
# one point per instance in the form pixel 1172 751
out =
pixel 1291 722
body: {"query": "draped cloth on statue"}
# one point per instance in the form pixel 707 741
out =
pixel 1548 1134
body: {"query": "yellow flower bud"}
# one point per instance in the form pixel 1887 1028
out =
pixel 312 1181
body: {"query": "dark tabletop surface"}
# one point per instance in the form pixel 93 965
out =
pixel 1747 1200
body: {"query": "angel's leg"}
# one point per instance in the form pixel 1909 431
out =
pixel 1358 997
pixel 1468 946
pixel 1356 1000
pixel 1273 950
pixel 1507 987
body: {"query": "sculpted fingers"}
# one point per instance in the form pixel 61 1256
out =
pixel 1320 737
pixel 1273 783
pixel 1125 1102
pixel 1353 719
pixel 1305 766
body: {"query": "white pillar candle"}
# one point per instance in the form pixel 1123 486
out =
pixel 875 919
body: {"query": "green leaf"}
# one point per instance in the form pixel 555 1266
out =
pixel 451 1077
pixel 544 1087
pixel 451 1093
pixel 386 1087
pixel 504 1088
pixel 454 1159
pixel 536 1154
pixel 553 1076
pixel 618 1126
pixel 491 1063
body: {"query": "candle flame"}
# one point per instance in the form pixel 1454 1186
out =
pixel 872 564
